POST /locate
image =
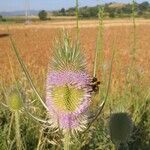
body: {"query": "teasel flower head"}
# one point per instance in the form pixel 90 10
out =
pixel 14 99
pixel 68 91
pixel 120 126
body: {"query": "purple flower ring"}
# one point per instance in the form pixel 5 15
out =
pixel 68 98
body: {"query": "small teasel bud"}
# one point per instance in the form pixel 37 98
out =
pixel 14 100
pixel 120 126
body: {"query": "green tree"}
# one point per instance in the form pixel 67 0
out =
pixel 93 11
pixel 1 17
pixel 84 12
pixel 112 14
pixel 144 6
pixel 43 15
pixel 63 11
pixel 71 11
pixel 127 9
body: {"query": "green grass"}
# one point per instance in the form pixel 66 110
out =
pixel 135 100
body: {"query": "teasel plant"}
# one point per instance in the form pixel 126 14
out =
pixel 120 128
pixel 68 88
pixel 12 100
pixel 134 30
pixel 133 50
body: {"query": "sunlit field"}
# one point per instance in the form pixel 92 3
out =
pixel 36 42
pixel 129 88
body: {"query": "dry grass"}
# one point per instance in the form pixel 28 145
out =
pixel 35 42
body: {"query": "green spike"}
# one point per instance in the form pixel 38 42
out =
pixel 68 56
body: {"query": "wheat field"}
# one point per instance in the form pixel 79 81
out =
pixel 36 43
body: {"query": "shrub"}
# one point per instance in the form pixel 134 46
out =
pixel 1 17
pixel 43 15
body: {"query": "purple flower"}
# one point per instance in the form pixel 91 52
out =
pixel 68 98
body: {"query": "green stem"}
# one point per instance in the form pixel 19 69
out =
pixel 40 140
pixel 99 56
pixel 106 97
pixel 134 34
pixel 10 126
pixel 20 60
pixel 77 18
pixel 18 136
pixel 67 141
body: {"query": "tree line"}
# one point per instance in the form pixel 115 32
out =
pixel 111 10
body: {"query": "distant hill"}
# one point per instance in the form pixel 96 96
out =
pixel 117 5
pixel 19 13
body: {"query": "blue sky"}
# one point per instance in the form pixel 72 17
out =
pixel 12 5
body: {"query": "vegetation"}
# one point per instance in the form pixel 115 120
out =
pixel 43 15
pixel 112 10
pixel 2 18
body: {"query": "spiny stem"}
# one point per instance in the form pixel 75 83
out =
pixel 10 126
pixel 17 127
pixel 106 97
pixel 99 56
pixel 67 140
pixel 133 47
pixel 40 140
pixel 77 18
pixel 134 30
